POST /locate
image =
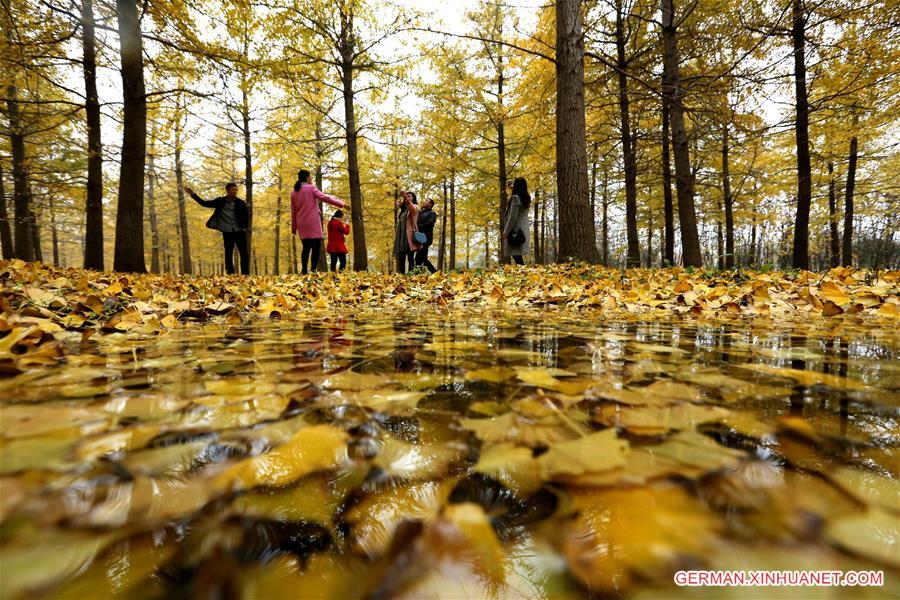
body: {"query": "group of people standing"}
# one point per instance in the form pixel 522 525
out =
pixel 412 238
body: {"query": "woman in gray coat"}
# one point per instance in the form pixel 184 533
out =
pixel 516 221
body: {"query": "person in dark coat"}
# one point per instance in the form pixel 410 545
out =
pixel 427 219
pixel 230 216
pixel 516 220
pixel 405 245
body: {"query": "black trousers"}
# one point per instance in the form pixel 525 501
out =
pixel 422 259
pixel 239 239
pixel 310 250
pixel 518 258
pixel 335 258
pixel 406 257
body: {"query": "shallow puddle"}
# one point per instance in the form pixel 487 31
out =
pixel 468 454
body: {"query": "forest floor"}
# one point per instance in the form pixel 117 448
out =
pixel 546 432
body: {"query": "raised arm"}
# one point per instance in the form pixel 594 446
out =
pixel 198 199
pixel 323 197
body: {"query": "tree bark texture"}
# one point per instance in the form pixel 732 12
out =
pixel 577 238
pixel 801 132
pixel 847 249
pixel 93 224
pixel 684 178
pixel 129 249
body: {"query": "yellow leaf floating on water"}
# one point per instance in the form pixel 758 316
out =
pixel 623 534
pixel 491 374
pixel 593 453
pixel 312 449
pixel 513 466
pixel 653 420
pixel 697 450
pixel 874 534
pixel 807 378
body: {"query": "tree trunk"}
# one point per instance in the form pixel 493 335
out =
pixel 278 208
pixel 320 158
pixel 151 207
pixel 293 255
pixel 605 253
pixel 847 250
pixel 501 179
pixel 720 241
pixel 649 238
pixel 577 238
pixel 36 234
pixel 186 266
pixel 668 208
pixel 360 255
pixel 801 130
pixel 729 206
pixel 535 234
pixel 93 231
pixel 443 245
pixel 248 162
pixel 24 239
pixel 633 257
pixel 487 246
pixel 835 245
pixel 54 233
pixel 129 251
pixel 5 231
pixel 452 220
pixel 684 179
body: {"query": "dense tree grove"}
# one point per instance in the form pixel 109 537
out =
pixel 652 132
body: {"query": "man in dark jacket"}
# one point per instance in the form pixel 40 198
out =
pixel 231 218
pixel 427 219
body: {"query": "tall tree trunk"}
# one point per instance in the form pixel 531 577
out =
pixel 729 203
pixel 452 220
pixel 293 255
pixel 835 239
pixel 54 233
pixel 5 230
pixel 501 179
pixel 535 234
pixel 649 238
pixel 93 232
pixel 720 241
pixel 847 250
pixel 577 238
pixel 801 130
pixel 668 208
pixel 633 257
pixel 24 239
pixel 129 251
pixel 605 250
pixel 278 208
pixel 684 179
pixel 347 50
pixel 443 245
pixel 186 266
pixel 248 162
pixel 487 245
pixel 320 159
pixel 151 207
pixel 36 233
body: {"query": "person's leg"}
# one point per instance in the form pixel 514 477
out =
pixel 304 256
pixel 334 261
pixel 316 254
pixel 228 240
pixel 240 239
pixel 401 263
pixel 343 258
pixel 411 259
pixel 518 258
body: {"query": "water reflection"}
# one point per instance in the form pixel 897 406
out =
pixel 447 454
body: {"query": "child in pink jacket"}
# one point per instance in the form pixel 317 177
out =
pixel 306 217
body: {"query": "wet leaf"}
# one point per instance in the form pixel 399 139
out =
pixel 593 453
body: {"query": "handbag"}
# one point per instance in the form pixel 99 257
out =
pixel 419 237
pixel 516 237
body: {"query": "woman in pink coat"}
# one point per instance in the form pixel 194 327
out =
pixel 306 217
